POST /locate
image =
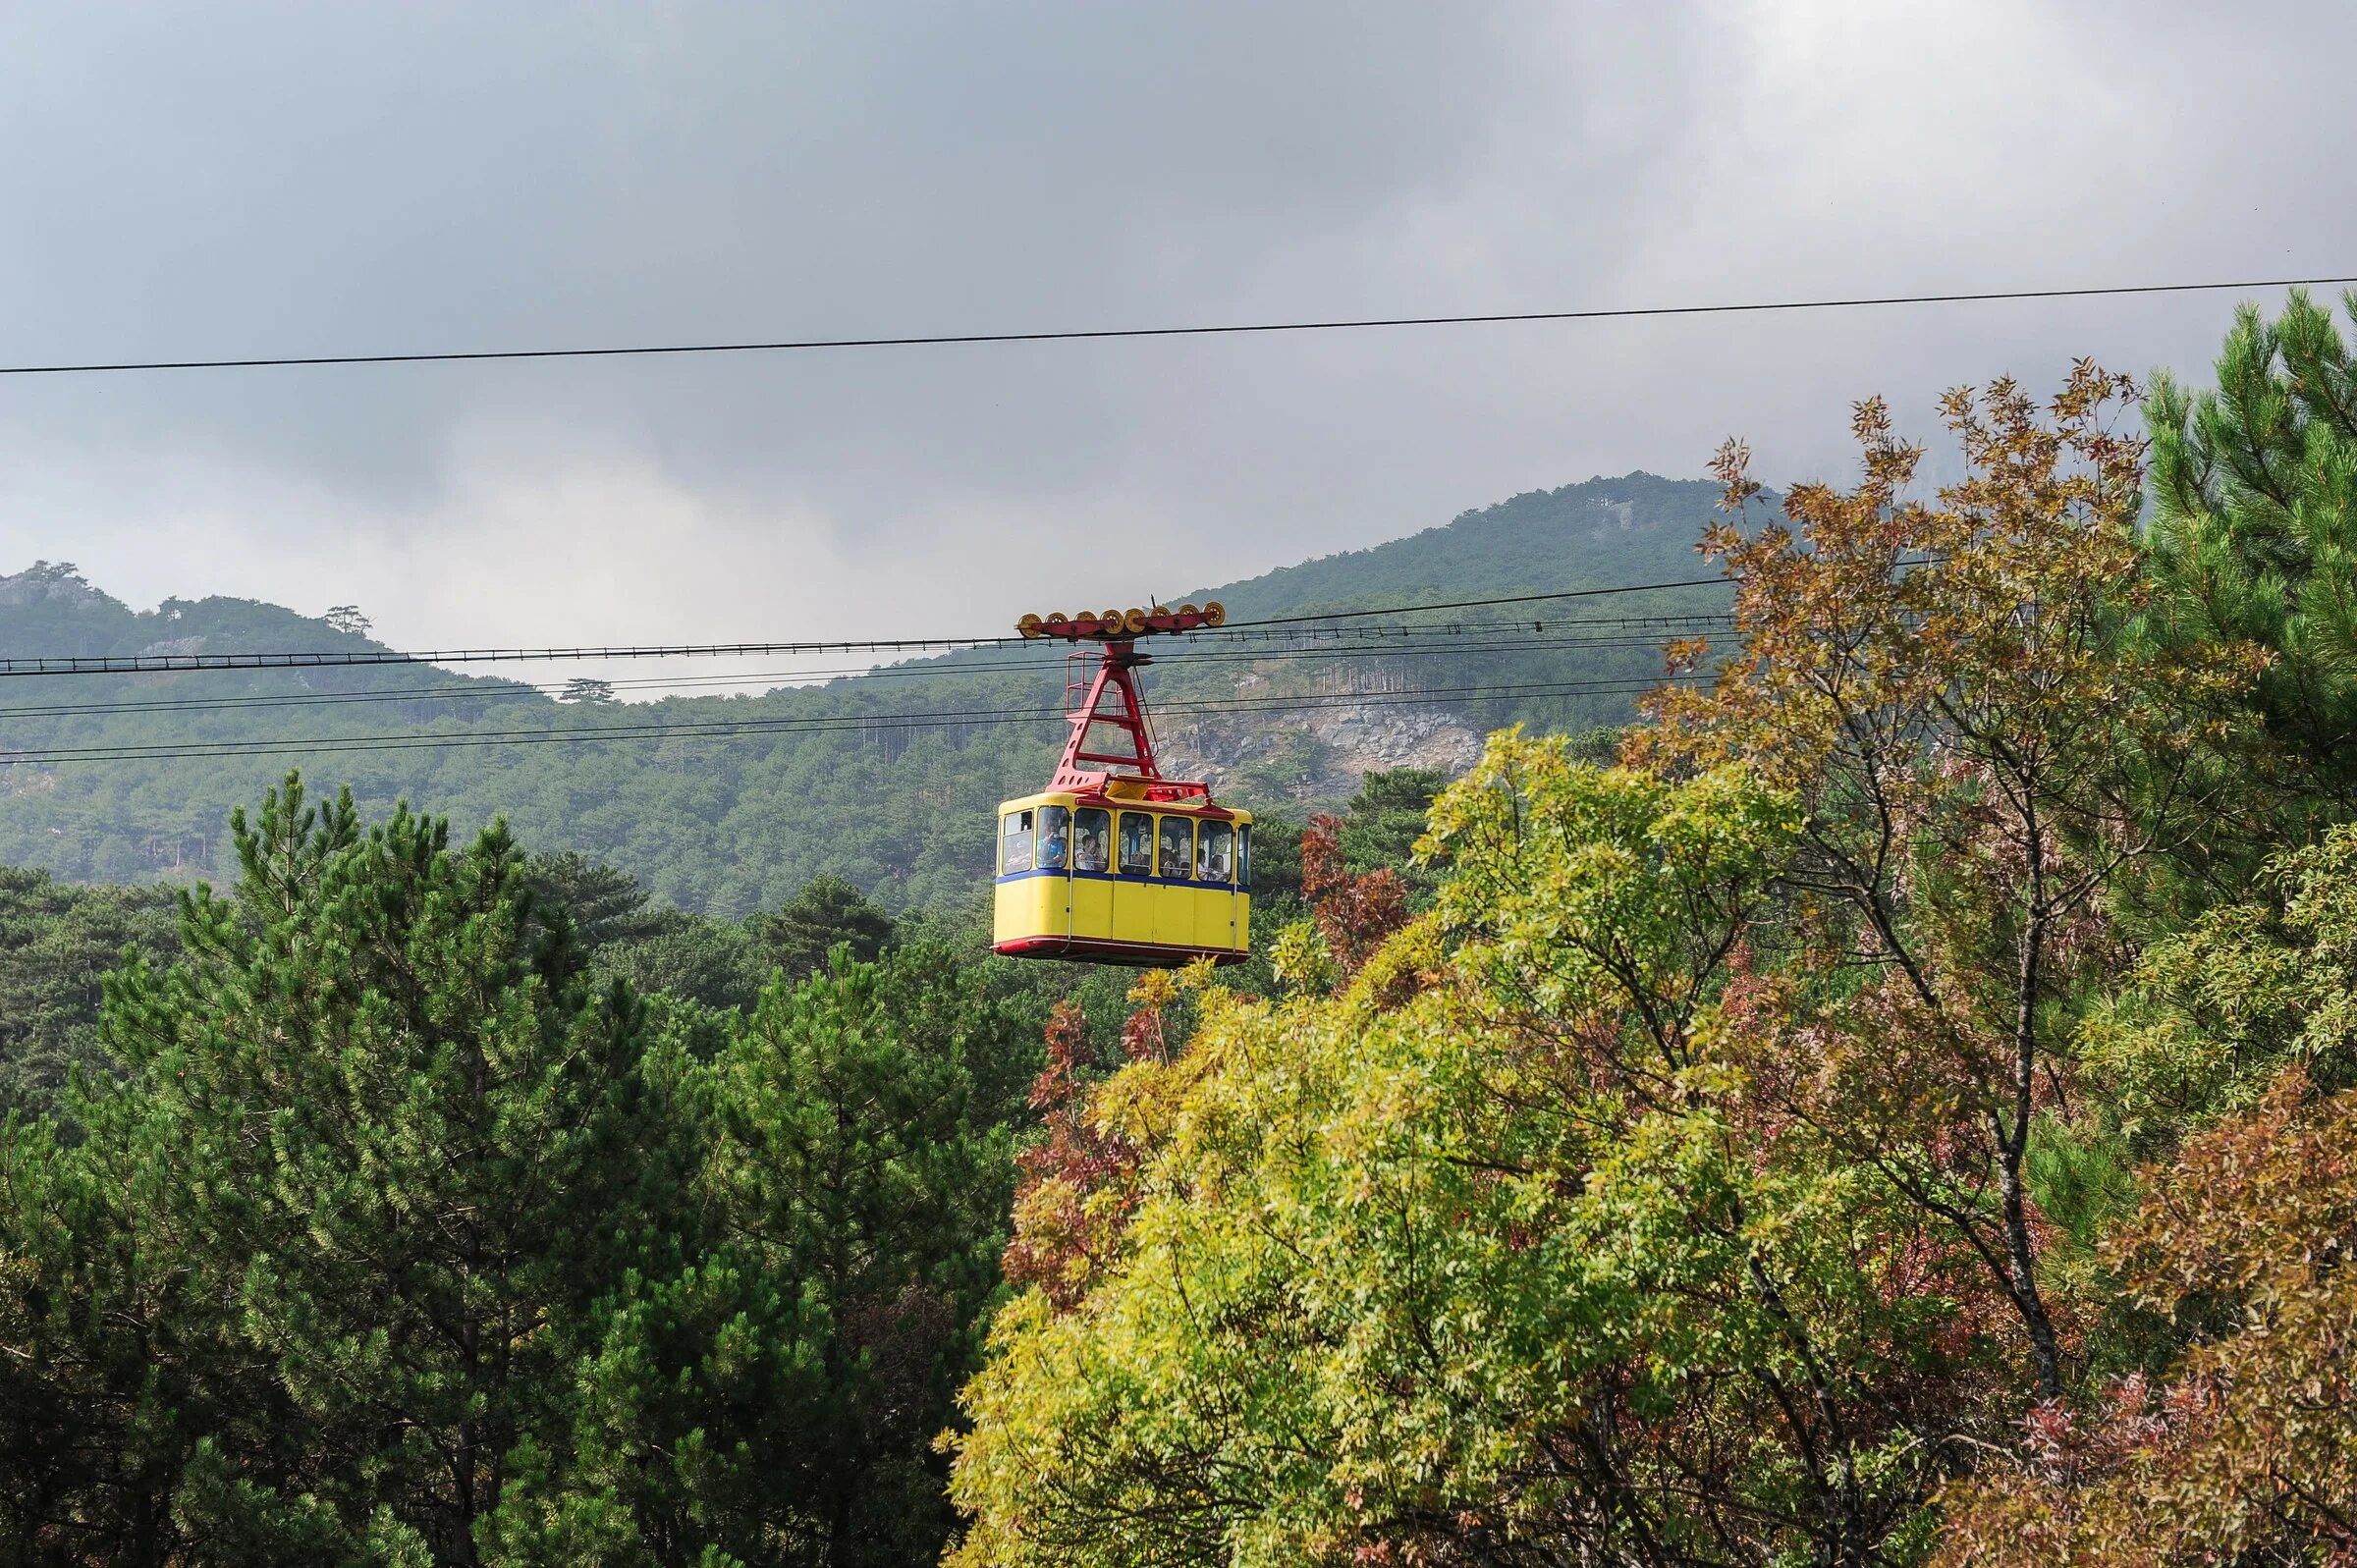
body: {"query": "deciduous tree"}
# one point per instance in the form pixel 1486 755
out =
pixel 1981 746
pixel 2247 1451
pixel 1488 1258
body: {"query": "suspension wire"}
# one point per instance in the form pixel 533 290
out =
pixel 166 664
pixel 1511 599
pixel 787 679
pixel 732 729
pixel 1280 631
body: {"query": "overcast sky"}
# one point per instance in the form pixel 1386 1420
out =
pixel 223 179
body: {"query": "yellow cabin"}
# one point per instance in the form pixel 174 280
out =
pixel 1117 879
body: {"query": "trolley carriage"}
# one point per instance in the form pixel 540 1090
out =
pixel 1112 863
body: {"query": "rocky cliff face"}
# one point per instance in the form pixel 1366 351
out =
pixel 1319 755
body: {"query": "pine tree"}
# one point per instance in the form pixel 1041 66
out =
pixel 404 1239
pixel 776 1398
pixel 1383 822
pixel 805 929
pixel 605 903
pixel 55 941
pixel 395 1140
pixel 2254 530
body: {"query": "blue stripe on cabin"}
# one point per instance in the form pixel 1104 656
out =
pixel 1128 876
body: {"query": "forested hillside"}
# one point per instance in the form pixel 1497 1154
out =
pixel 729 825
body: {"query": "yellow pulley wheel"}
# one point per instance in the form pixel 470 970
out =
pixel 1134 620
pixel 1112 621
pixel 1028 625
pixel 1214 614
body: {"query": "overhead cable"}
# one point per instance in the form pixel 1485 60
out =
pixel 693 686
pixel 733 729
pixel 1100 334
pixel 175 662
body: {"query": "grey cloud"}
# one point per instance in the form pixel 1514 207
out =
pixel 225 179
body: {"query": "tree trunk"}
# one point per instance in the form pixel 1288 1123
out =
pixel 2013 1142
pixel 2021 1258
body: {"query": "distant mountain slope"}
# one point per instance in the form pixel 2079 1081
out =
pixel 1638 527
pixel 896 804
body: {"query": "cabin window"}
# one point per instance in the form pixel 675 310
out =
pixel 1015 843
pixel 1092 839
pixel 1177 846
pixel 1214 849
pixel 1055 836
pixel 1243 856
pixel 1137 844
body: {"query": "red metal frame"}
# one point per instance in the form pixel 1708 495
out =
pixel 1076 772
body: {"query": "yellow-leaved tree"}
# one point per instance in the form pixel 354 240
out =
pixel 1492 1252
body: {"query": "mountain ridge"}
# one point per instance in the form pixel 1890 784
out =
pixel 894 800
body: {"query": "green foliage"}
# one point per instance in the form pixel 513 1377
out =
pixel 719 966
pixel 1484 1259
pixel 390 1126
pixel 712 963
pixel 1385 819
pixel 55 941
pixel 1277 864
pixel 2254 533
pixel 1574 880
pixel 1691 1183
pixel 2214 1014
pixel 774 1399
pixel 828 911
pixel 605 905
pixel 2082 1176
pixel 410 1235
pixel 711 966
pixel 1676 1166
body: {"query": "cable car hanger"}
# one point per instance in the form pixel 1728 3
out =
pixel 1084 771
pixel 1111 624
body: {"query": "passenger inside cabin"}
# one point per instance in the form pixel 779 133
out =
pixel 1137 844
pixel 1054 825
pixel 1211 853
pixel 1177 846
pixel 1090 844
pixel 1016 853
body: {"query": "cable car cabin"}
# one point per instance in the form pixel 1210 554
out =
pixel 1112 863
pixel 1117 879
